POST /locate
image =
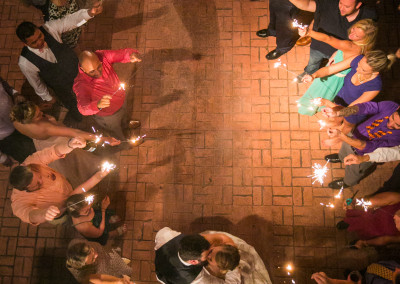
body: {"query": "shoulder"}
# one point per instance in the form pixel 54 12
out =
pixel 325 5
pixel 368 12
pixel 356 60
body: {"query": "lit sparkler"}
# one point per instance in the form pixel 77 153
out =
pixel 322 124
pixel 365 204
pixel 121 87
pixel 107 166
pixel 283 66
pixel 330 205
pixel 134 140
pixel 296 24
pixel 89 199
pixel 317 101
pixel 289 269
pixel 319 172
pixel 339 195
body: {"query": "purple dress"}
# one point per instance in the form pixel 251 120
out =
pixel 350 92
pixel 373 223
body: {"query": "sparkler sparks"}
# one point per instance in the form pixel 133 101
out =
pixel 322 124
pixel 107 166
pixel 134 140
pixel 89 199
pixel 319 173
pixel 296 24
pixel 317 101
pixel 339 195
pixel 330 205
pixel 365 204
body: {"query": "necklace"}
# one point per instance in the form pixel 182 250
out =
pixel 362 80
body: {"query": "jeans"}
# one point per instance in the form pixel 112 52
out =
pixel 314 61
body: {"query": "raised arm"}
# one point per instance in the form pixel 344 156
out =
pixel 384 199
pixel 306 5
pixel 344 45
pixel 91 182
pixel 378 241
pixel 334 68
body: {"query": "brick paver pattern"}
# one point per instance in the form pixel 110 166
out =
pixel 227 149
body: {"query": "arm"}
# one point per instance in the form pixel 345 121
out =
pixel 343 45
pixel 105 278
pixel 356 143
pixel 39 216
pixel 322 278
pixel 306 5
pixel 382 155
pixel 72 21
pixel 119 55
pixel 365 97
pixel 86 105
pixel 378 241
pixel 56 130
pixel 334 68
pixel 32 74
pixel 384 199
pixel 91 182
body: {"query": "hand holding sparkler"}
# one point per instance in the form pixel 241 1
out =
pixel 134 57
pixel 307 78
pixel 104 102
pixel 76 142
pixel 349 202
pixel 111 141
pixel 96 9
pixel 333 132
pixel 303 31
pixel 321 278
pixel 329 112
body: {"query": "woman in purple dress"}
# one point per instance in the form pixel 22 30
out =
pixel 377 226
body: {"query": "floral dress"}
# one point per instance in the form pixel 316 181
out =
pixel 71 37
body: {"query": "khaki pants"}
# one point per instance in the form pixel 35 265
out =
pixel 115 123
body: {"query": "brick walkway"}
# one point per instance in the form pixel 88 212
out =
pixel 227 149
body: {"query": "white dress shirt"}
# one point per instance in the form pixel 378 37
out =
pixel 232 277
pixel 55 28
pixel 386 154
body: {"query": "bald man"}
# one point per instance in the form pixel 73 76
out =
pixel 98 89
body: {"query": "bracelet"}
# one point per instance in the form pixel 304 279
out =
pixel 68 143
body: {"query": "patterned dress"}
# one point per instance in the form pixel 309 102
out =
pixel 108 262
pixel 70 38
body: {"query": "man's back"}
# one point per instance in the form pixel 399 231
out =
pixel 169 268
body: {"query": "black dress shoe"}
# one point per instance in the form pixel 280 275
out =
pixel 338 184
pixel 333 158
pixel 342 225
pixel 275 54
pixel 263 33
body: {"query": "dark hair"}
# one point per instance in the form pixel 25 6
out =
pixel 23 112
pixel 191 247
pixel 227 258
pixel 396 280
pixel 25 30
pixel 73 207
pixel 77 254
pixel 21 177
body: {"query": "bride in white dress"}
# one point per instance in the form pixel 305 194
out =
pixel 251 267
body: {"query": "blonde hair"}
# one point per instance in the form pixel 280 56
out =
pixel 379 61
pixel 23 112
pixel 370 29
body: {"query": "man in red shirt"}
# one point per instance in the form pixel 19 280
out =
pixel 99 92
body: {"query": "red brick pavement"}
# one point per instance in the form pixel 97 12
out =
pixel 227 149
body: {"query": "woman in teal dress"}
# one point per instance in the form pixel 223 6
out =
pixel 328 81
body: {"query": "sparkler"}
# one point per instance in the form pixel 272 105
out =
pixel 339 195
pixel 330 205
pixel 296 24
pixel 121 87
pixel 365 204
pixel 283 66
pixel 322 124
pixel 134 140
pixel 319 172
pixel 317 101
pixel 107 166
pixel 89 199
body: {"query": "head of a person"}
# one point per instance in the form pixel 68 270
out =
pixel 90 64
pixel 364 33
pixel 193 249
pixel 349 7
pixel 26 112
pixel 26 178
pixel 374 62
pixel 81 255
pixel 76 208
pixel 226 257
pixel 30 35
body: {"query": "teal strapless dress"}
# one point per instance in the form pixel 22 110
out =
pixel 326 88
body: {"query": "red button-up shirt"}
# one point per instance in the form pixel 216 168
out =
pixel 90 90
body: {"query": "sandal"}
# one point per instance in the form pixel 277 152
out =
pixel 114 219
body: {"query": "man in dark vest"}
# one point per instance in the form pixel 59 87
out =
pixel 47 62
pixel 179 258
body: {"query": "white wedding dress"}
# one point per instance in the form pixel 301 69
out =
pixel 251 267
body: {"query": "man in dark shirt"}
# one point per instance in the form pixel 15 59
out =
pixel 332 17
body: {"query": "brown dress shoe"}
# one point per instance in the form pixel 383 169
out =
pixel 303 41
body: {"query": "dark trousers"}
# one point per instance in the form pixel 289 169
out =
pixel 68 99
pixel 282 13
pixel 17 146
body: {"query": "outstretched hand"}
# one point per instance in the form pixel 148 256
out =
pixel 353 159
pixel 307 78
pixel 77 142
pixel 321 278
pixel 134 57
pixel 111 140
pixel 96 9
pixel 303 32
pixel 329 112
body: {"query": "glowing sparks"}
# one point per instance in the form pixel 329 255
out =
pixel 89 199
pixel 122 86
pixel 295 80
pixel 134 140
pixel 363 203
pixel 322 124
pixel 98 138
pixel 319 173
pixel 278 64
pixel 289 267
pixel 339 195
pixel 107 166
pixel 330 205
pixel 94 130
pixel 296 24
pixel 317 101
